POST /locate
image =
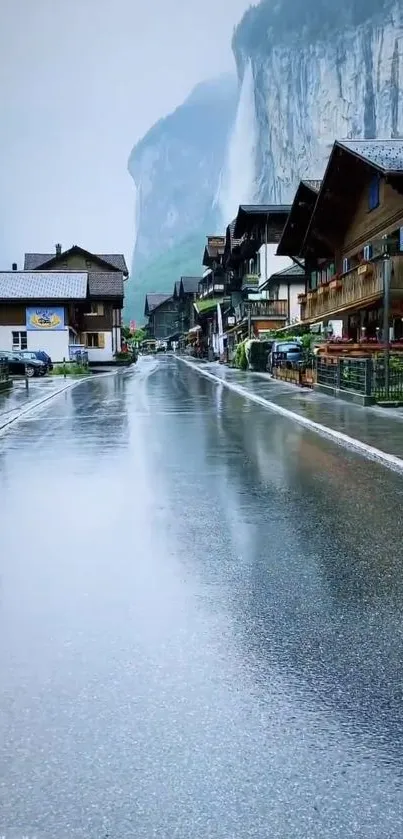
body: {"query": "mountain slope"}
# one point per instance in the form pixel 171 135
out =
pixel 312 72
pixel 176 168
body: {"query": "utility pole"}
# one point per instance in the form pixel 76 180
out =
pixel 387 270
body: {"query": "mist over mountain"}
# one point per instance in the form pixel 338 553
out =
pixel 176 169
pixel 308 73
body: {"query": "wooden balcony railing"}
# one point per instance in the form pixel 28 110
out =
pixel 250 281
pixel 263 309
pixel 354 288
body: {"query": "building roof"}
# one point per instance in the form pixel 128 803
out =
pixel 38 285
pixel 234 241
pixel 154 301
pixel 298 219
pixel 177 288
pixel 293 270
pixel 190 285
pixel 249 214
pixel 314 185
pixel 33 261
pixel 386 155
pixel 345 176
pixel 105 284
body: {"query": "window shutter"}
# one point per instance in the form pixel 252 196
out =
pixel 101 340
pixel 346 265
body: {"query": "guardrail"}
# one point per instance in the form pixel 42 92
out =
pixel 362 376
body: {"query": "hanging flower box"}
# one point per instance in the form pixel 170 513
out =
pixel 302 298
pixel 365 269
pixel 335 282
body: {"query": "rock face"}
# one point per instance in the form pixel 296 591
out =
pixel 176 169
pixel 321 70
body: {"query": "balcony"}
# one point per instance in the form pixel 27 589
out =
pixel 354 289
pixel 261 309
pixel 250 282
pixel 211 289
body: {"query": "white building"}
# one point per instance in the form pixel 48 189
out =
pixel 56 306
pixel 286 284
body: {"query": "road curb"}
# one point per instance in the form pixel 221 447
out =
pixel 32 406
pixel 390 460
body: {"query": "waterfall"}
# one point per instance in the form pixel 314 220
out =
pixel 237 181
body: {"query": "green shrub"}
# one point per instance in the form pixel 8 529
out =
pixel 240 357
pixel 70 368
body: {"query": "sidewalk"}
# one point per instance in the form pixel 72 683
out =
pixel 17 401
pixel 372 428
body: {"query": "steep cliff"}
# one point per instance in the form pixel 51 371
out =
pixel 312 72
pixel 176 169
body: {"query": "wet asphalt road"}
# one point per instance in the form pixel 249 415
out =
pixel 201 621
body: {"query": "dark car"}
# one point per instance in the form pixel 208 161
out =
pixel 289 351
pixel 20 366
pixel 41 355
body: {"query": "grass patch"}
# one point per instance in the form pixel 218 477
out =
pixel 70 368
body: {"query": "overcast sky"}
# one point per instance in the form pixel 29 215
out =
pixel 80 82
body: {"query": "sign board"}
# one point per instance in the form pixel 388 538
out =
pixel 45 319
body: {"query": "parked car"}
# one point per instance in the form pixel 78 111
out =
pixel 41 355
pixel 291 351
pixel 18 365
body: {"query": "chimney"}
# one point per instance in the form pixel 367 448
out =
pixel 14 266
pixel 58 250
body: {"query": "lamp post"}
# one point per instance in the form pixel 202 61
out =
pixel 387 270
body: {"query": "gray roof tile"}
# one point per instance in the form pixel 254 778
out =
pixel 34 260
pixel 265 209
pixel 293 270
pixel 386 155
pixel 38 285
pixel 190 285
pixel 105 284
pixel 155 299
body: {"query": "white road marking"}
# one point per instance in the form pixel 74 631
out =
pixel 390 460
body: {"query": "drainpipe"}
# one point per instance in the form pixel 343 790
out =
pixel 265 248
pixel 288 303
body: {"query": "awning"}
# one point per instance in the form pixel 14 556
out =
pixel 203 307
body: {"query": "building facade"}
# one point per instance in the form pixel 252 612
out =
pixel 94 323
pixel 351 239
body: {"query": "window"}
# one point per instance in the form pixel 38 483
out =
pixel 96 309
pixel 367 252
pixel 373 196
pixel 19 340
pixel 95 340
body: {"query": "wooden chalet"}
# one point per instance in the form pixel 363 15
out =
pixel 349 236
pixel 213 282
pixel 162 312
pixel 246 260
pixel 65 302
